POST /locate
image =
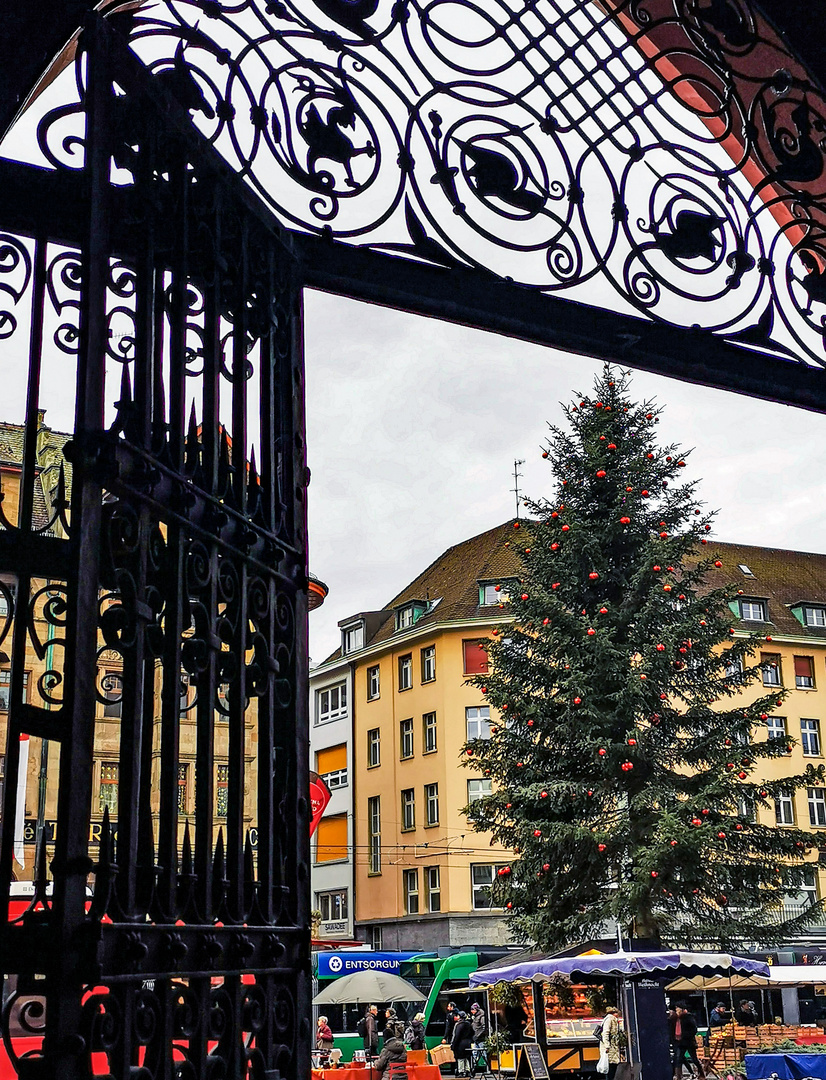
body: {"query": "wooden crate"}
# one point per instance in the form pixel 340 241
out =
pixel 441 1055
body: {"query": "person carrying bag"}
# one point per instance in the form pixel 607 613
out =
pixel 609 1044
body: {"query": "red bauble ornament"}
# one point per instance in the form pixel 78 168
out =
pixel 577 701
pixel 644 494
pixel 600 473
pixel 603 611
pixel 593 575
pixel 649 416
pixel 729 764
pixel 556 584
pixel 742 775
pixel 643 678
pixel 661 648
pixel 602 751
pixel 656 569
pixel 545 454
pixel 666 588
pixel 654 873
pixel 663 697
pixel 632 742
pixel 681 464
pixel 590 793
pixel 530 723
pixel 721 835
pixel 612 446
pixel 669 458
pixel 537 832
pixel 544 795
pixel 602 438
pixel 704 811
pixel 625 521
pixel 516 524
pixel 768 637
pixel 628 766
pixel 469 752
pixel 629 489
pixel 590 631
pixel 519 764
pixel 600 847
pixel 673 843
pixel 703 622
pixel 566 528
pixel 555 514
pixel 524 596
pixel 739 827
pixel 703 540
pixel 696 821
pixel 663 536
pixel 546 866
pixel 650 457
pixel 545 621
pixel 509 905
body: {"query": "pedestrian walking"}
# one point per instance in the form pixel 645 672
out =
pixel 685 1042
pixel 478 1023
pixel 609 1040
pixel 414 1035
pixel 460 1044
pixel 323 1034
pixel 369 1030
pixel 393 1026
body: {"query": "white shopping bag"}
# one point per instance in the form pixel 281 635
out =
pixel 602 1064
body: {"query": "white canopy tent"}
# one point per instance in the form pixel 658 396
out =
pixel 778 978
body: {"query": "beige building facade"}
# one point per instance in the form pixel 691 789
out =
pixel 413 874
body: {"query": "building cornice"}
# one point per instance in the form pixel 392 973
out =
pixel 407 637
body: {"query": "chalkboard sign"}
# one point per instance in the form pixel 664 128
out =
pixel 530 1062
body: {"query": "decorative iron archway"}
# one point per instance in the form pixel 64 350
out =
pixel 493 164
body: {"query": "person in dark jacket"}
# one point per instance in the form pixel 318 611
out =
pixel 393 1050
pixel 416 1039
pixel 478 1023
pixel 393 1027
pixel 371 1033
pixel 748 1016
pixel 720 1015
pixel 451 1017
pixel 685 1041
pixel 460 1044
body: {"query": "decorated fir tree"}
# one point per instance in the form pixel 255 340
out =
pixel 624 761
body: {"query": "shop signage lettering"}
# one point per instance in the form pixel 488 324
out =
pixel 331 965
pixel 50 828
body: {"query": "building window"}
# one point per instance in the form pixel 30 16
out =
pixel 332 905
pixel 376 938
pixel 222 790
pixel 186 695
pixel 411 892
pixel 753 610
pixel 817 806
pixel 405 672
pixel 784 810
pixel 331 766
pixel 804 673
pixel 734 667
pixel 810 737
pixel 183 776
pixel 352 638
pixel 477 722
pixel 374 835
pixel 222 693
pixel 482 877
pixel 433 888
pixel 493 592
pixel 406 738
pixel 475 657
pixel 331 839
pixel 431 797
pixel 112 686
pixel 814 616
pixel 429 739
pixel 770 663
pixel 109 788
pixel 331 704
pixel 776 728
pixel 373 683
pixel 410 614
pixel 373 748
pixel 742 566
pixel 478 789
pixel 429 663
pixel 747 808
pixel 5 688
pixel 408 809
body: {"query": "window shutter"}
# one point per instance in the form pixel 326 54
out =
pixel 332 759
pixel 331 838
pixel 803 666
pixel 476 658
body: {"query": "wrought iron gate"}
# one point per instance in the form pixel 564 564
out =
pixel 154 581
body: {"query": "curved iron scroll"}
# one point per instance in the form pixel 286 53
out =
pixel 665 158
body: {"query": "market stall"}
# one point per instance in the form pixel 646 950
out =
pixel 641 978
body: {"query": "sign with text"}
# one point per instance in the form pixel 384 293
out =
pixel 332 965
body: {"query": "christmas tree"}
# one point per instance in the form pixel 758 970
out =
pixel 624 762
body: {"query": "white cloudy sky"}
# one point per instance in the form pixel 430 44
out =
pixel 413 426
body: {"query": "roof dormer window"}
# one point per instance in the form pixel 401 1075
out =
pixel 408 614
pixel 352 638
pixel 753 610
pixel 745 570
pixel 494 592
pixel 814 615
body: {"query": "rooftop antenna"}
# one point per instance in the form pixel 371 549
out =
pixel 516 474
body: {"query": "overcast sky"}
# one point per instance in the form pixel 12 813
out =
pixel 413 427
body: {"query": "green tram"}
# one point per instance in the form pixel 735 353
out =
pixel 442 975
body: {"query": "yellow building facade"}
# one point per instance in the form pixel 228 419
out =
pixel 413 873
